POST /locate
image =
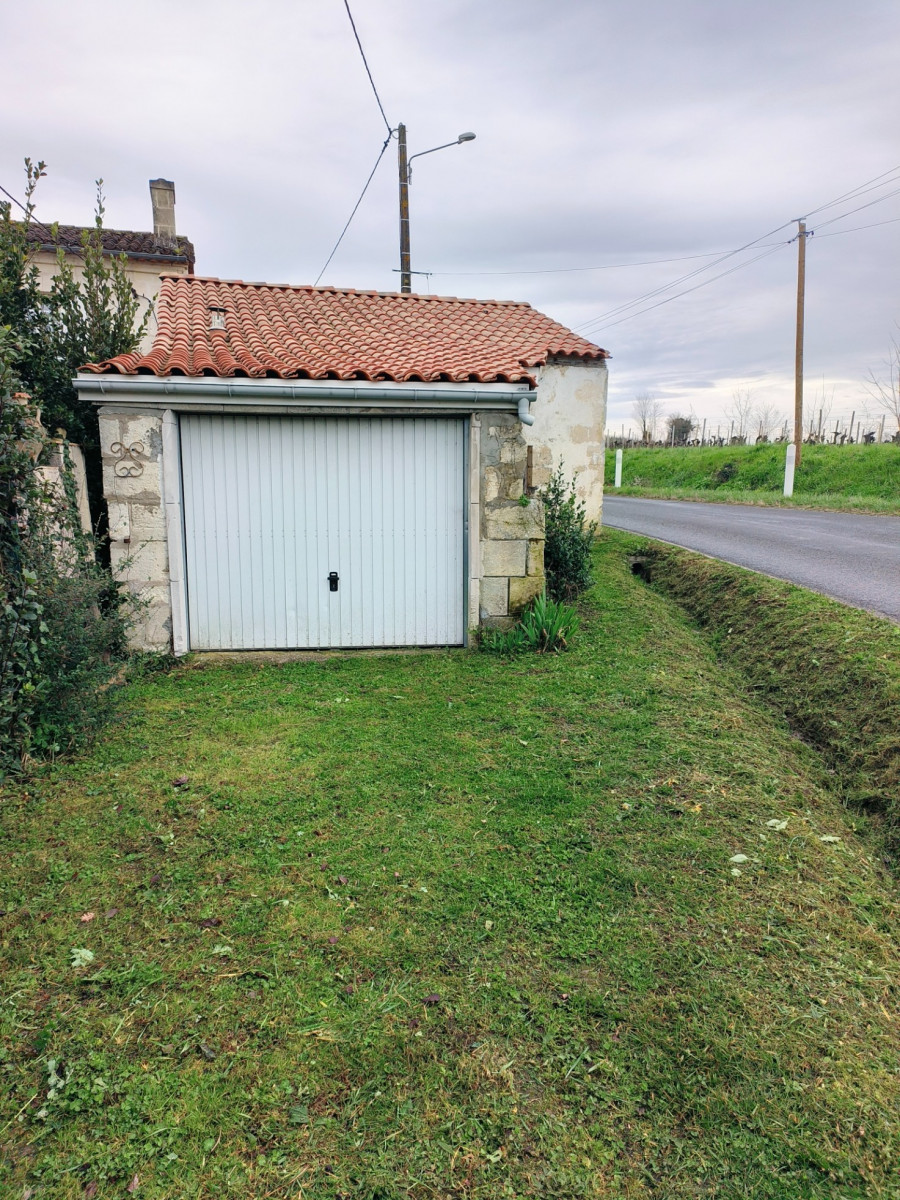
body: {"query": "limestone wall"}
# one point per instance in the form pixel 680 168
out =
pixel 511 525
pixel 131 445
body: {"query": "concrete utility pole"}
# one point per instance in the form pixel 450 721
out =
pixel 405 264
pixel 802 235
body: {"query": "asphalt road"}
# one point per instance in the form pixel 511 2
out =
pixel 848 556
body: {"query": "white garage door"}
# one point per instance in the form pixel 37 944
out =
pixel 315 532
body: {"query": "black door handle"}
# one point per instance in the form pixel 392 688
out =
pixel 333 578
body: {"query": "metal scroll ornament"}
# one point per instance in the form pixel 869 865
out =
pixel 128 460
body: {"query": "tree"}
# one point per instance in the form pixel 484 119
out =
pixel 740 412
pixel 819 412
pixel 680 429
pixel 83 319
pixel 647 411
pixel 885 387
pixel 765 418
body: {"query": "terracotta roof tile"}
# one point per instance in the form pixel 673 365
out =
pixel 318 333
pixel 116 241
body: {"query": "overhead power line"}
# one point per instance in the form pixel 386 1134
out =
pixel 884 180
pixel 570 270
pixel 387 142
pixel 857 228
pixel 870 184
pixel 878 200
pixel 366 65
pixel 594 322
pixel 697 286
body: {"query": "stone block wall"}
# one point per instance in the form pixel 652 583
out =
pixel 131 445
pixel 511 524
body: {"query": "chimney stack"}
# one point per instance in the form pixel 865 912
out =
pixel 162 197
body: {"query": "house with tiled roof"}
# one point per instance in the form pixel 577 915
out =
pixel 307 468
pixel 148 255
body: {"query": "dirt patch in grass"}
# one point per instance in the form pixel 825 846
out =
pixel 449 926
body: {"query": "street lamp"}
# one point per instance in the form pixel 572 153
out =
pixel 405 176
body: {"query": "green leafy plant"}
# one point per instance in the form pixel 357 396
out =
pixel 569 539
pixel 87 318
pixel 545 627
pixel 62 618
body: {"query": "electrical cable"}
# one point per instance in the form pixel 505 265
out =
pixel 603 317
pixel 879 200
pixel 366 65
pixel 570 270
pixel 854 191
pixel 387 141
pixel 857 228
pixel 603 320
pixel 696 287
pixel 40 224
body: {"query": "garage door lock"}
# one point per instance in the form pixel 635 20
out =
pixel 333 578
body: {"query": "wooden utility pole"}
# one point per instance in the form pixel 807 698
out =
pixel 405 263
pixel 798 358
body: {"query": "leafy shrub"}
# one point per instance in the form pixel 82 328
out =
pixel 62 618
pixel 569 539
pixel 546 626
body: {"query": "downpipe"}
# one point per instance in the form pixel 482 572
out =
pixel 522 413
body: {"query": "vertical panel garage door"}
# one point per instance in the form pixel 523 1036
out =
pixel 274 505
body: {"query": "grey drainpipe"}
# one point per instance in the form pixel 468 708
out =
pixel 523 414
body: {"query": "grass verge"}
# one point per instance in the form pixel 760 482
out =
pixel 849 478
pixel 833 671
pixel 449 926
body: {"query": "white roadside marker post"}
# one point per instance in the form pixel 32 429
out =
pixel 789 462
pixel 618 468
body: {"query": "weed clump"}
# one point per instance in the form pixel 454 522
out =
pixel 545 628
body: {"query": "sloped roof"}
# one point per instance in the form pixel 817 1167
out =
pixel 116 241
pixel 327 333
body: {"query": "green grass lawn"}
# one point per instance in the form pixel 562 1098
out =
pixel 449 926
pixel 858 478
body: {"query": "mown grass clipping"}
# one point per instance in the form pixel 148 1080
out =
pixel 833 671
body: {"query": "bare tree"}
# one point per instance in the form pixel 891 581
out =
pixel 818 414
pixel 740 411
pixel 885 387
pixel 647 411
pixel 765 418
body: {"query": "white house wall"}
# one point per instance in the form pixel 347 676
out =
pixel 144 274
pixel 569 420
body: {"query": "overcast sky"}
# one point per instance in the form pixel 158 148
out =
pixel 608 134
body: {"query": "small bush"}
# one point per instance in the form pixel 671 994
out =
pixel 569 540
pixel 545 627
